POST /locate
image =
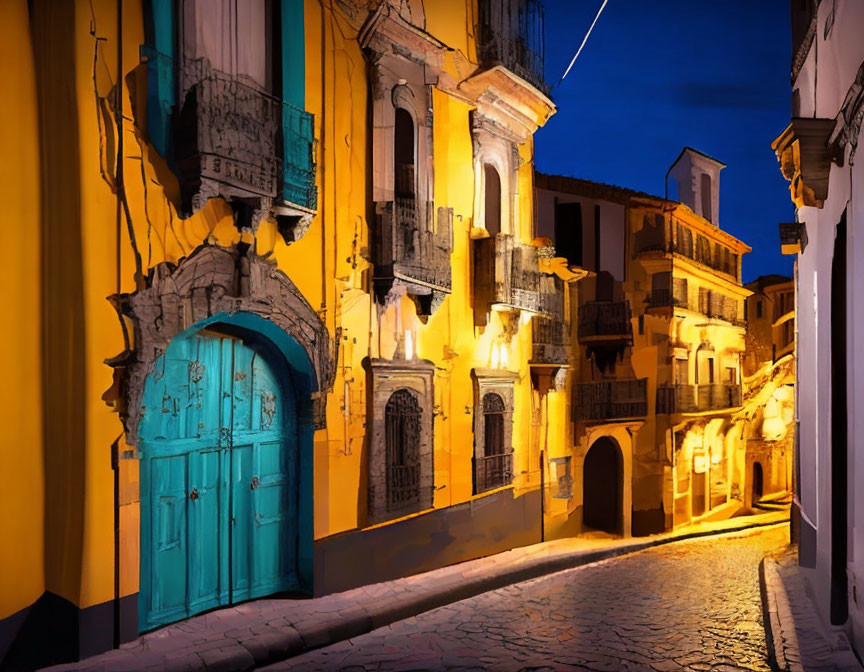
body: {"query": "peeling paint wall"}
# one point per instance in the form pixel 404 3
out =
pixel 109 227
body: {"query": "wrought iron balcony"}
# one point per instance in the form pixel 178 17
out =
pixel 550 341
pixel 666 298
pixel 658 238
pixel 719 307
pixel 511 34
pixel 406 250
pixel 493 471
pixel 237 140
pixel 549 332
pixel 605 320
pixel 610 400
pixel 684 398
pixel 507 273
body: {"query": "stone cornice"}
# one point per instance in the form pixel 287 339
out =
pixel 508 99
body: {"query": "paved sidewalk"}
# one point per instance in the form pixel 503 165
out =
pixel 267 631
pixel 798 639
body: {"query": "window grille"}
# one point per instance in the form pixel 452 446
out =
pixel 402 422
pixel 494 466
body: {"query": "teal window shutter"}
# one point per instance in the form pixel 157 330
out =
pixel 160 54
pixel 298 127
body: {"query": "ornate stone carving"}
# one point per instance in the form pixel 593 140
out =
pixel 210 281
pixel 239 142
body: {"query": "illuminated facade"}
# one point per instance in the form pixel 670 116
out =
pixel 769 389
pixel 314 226
pixel 657 350
pixel 817 154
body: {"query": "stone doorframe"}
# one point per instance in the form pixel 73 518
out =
pixel 624 434
pixel 386 377
pixel 502 383
pixel 210 282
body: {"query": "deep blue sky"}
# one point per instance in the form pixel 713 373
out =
pixel 657 75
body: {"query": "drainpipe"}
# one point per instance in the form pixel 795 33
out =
pixel 115 447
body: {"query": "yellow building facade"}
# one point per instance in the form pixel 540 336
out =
pixel 269 298
pixel 769 380
pixel 657 350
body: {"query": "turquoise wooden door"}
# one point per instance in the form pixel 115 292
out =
pixel 218 478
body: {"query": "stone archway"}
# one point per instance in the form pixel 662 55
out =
pixel 603 487
pixel 210 284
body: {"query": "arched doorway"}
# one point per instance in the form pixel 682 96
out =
pixel 219 445
pixel 757 482
pixel 603 487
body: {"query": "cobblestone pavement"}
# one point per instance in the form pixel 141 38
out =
pixel 692 605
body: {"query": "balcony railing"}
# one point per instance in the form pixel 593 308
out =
pixel 665 298
pixel 610 400
pixel 511 34
pixel 658 238
pixel 507 273
pixel 229 132
pixel 232 132
pixel 683 398
pixel 717 306
pixel 405 249
pixel 550 333
pixel 493 471
pixel 550 341
pixel 605 320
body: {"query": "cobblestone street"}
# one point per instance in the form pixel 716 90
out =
pixel 693 605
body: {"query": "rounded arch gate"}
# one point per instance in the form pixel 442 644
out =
pixel 603 487
pixel 220 471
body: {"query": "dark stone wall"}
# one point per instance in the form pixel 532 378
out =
pixel 462 532
pixel 648 521
pixel 54 631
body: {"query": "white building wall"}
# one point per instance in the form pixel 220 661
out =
pixel 827 74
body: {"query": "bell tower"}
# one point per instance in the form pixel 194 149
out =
pixel 698 179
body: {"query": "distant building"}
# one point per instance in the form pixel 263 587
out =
pixel 769 388
pixel 817 154
pixel 657 349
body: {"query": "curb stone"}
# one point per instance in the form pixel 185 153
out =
pixel 797 639
pixel 278 637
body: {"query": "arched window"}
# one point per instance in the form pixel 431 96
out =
pixel 492 187
pixel 494 464
pixel 403 154
pixel 405 184
pixel 402 422
pixel 493 424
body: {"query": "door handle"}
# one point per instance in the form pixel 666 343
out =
pixel 255 483
pixel 194 494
